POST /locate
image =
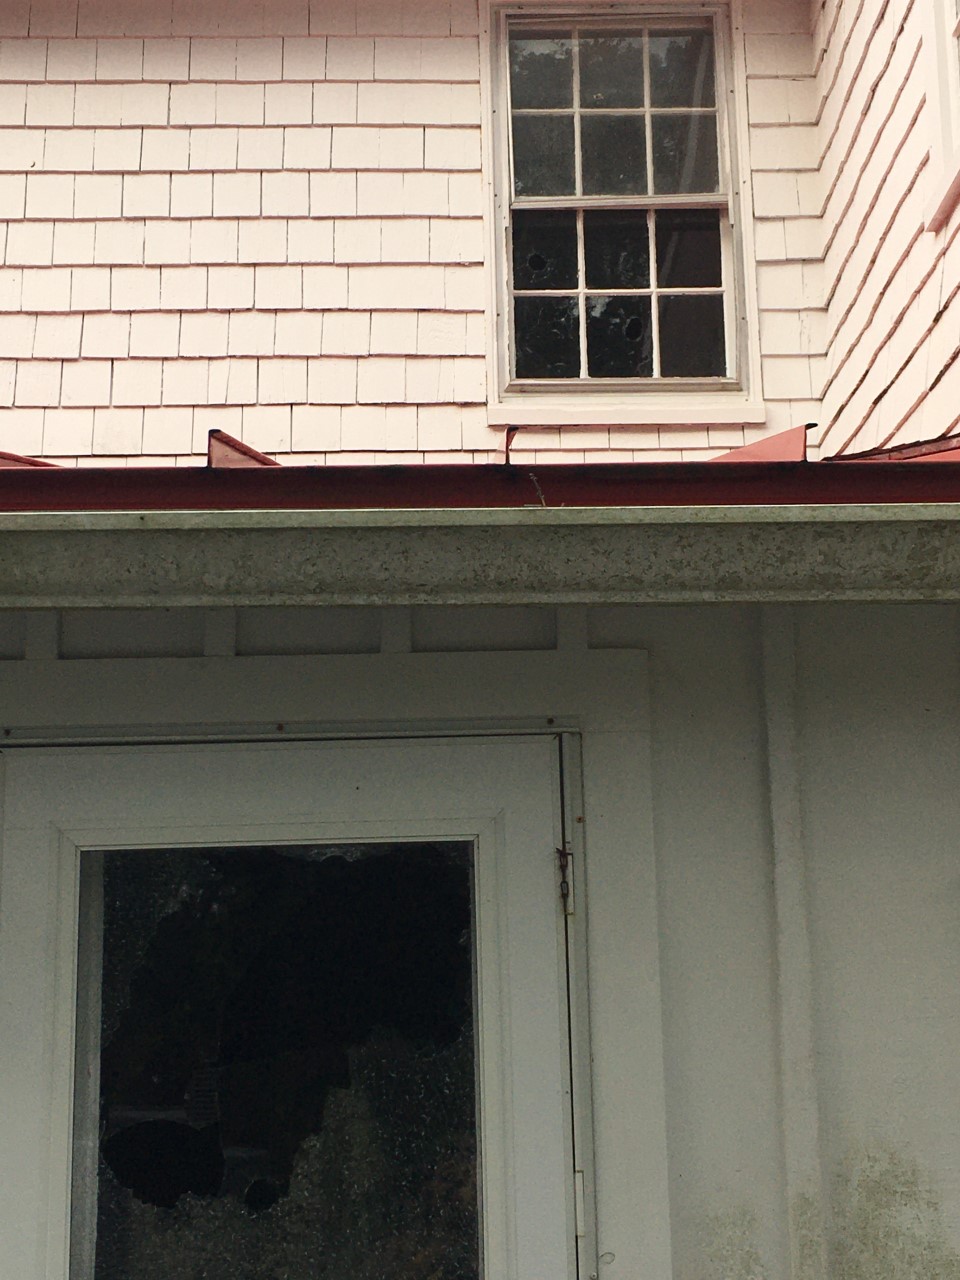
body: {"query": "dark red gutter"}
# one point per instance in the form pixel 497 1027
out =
pixel 478 486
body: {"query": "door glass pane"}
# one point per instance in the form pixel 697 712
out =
pixel 286 1065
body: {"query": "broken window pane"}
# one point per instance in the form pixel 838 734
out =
pixel 611 69
pixel 286 1065
pixel 619 337
pixel 545 249
pixel 616 249
pixel 548 337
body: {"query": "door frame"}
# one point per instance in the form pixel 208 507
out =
pixel 598 702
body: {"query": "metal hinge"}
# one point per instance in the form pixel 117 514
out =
pixel 565 863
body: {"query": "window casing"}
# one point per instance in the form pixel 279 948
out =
pixel 619 271
pixel 943 64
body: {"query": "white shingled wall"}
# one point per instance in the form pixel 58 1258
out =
pixel 786 196
pixel 890 285
pixel 268 218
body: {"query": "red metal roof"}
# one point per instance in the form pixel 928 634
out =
pixel 238 477
pixel 479 486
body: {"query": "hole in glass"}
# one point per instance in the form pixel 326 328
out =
pixel 548 337
pixel 619 336
pixel 545 249
pixel 286 1065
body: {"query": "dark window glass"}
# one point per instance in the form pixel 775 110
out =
pixel 619 338
pixel 681 69
pixel 541 70
pixel 614 152
pixel 286 1064
pixel 543 163
pixel 544 249
pixel 685 153
pixel 547 335
pixel 691 337
pixel 616 249
pixel 688 248
pixel 611 70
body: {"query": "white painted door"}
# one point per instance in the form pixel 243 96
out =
pixel 499 796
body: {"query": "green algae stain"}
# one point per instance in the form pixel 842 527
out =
pixel 888 1223
pixel 807 1237
pixel 730 1247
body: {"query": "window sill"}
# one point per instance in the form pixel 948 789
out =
pixel 627 410
pixel 947 195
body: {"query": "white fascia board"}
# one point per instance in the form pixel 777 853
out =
pixel 478 517
pixel 509 556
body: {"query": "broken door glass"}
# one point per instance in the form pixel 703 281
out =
pixel 286 1065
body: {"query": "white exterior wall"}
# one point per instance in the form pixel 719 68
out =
pixel 268 218
pixel 782 111
pixel 890 284
pixel 876 738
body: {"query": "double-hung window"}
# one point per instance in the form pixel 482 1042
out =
pixel 619 265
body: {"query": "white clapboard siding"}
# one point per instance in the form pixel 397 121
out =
pixel 784 149
pixel 892 314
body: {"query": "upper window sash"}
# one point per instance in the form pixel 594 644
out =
pixel 613 112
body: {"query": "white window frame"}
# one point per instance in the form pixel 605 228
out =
pixel 603 402
pixel 943 98
pixel 534 1212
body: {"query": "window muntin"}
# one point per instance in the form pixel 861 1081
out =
pixel 619 213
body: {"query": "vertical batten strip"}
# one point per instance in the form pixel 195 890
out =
pixel 803 1170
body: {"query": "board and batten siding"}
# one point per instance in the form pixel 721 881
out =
pixel 807 945
pixel 268 218
pixel 890 285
